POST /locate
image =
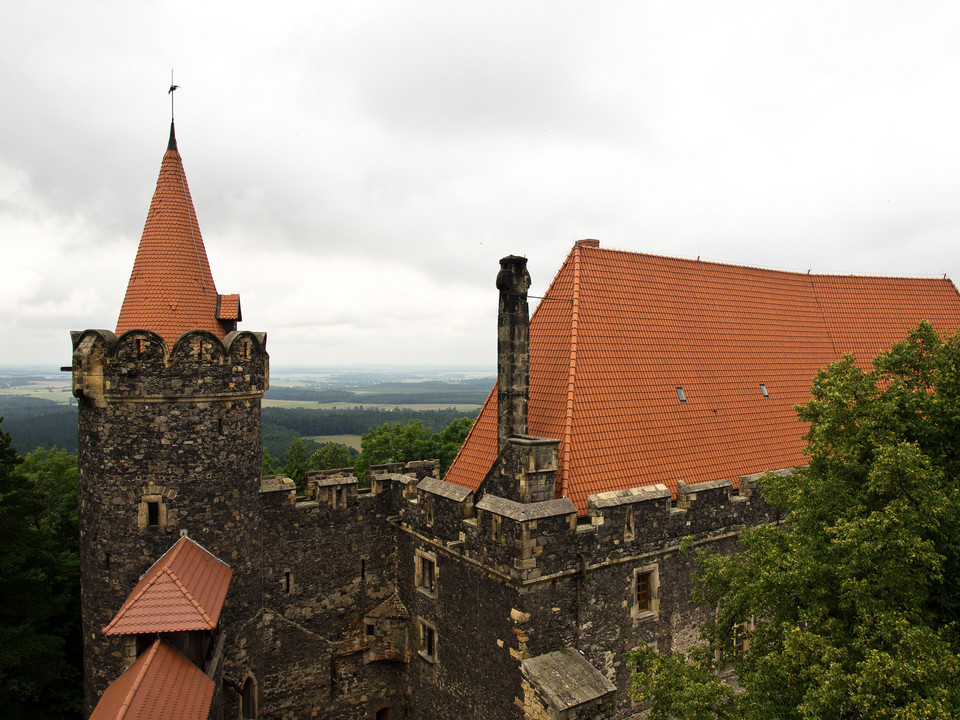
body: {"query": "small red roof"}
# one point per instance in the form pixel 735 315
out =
pixel 171 288
pixel 160 685
pixel 618 332
pixel 183 591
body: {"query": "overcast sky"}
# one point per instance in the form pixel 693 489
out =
pixel 359 168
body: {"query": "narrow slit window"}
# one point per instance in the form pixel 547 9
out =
pixel 153 513
pixel 681 395
pixel 764 392
pixel 286 582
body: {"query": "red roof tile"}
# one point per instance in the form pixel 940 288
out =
pixel 160 685
pixel 618 332
pixel 183 591
pixel 171 288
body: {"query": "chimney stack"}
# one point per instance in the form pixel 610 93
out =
pixel 513 349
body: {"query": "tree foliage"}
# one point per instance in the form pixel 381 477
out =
pixel 390 442
pixel 853 601
pixel 412 441
pixel 40 638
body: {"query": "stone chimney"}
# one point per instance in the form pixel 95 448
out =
pixel 513 349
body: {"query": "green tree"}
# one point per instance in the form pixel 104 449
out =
pixel 332 455
pixel 392 443
pixel 40 640
pixel 270 466
pixel 852 602
pixel 298 462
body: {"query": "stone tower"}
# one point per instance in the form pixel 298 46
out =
pixel 169 428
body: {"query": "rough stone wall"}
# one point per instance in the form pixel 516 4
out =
pixel 476 670
pixel 513 349
pixel 180 430
pixel 550 583
pixel 326 567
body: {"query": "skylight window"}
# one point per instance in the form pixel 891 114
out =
pixel 682 395
pixel 763 391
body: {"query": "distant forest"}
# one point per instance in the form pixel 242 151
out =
pixel 37 422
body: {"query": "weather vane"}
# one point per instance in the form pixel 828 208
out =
pixel 170 93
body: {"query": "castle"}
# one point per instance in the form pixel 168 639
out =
pixel 633 413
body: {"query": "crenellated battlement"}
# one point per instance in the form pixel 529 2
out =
pixel 139 365
pixel 526 541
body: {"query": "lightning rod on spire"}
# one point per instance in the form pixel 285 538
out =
pixel 170 92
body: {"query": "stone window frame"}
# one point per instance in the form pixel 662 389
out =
pixel 426 582
pixel 144 511
pixel 629 529
pixel 252 701
pixel 726 657
pixel 650 574
pixel 427 640
pixel 428 508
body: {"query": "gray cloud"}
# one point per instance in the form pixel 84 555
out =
pixel 359 168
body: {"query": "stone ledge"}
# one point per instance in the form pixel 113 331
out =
pixel 526 511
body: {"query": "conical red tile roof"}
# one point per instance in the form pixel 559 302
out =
pixel 618 332
pixel 171 288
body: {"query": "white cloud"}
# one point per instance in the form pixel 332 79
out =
pixel 359 168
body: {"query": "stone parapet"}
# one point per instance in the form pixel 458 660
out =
pixel 138 366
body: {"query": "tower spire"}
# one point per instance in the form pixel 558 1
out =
pixel 171 288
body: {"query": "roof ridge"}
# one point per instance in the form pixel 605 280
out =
pixel 131 693
pixel 189 596
pixel 131 601
pixel 566 440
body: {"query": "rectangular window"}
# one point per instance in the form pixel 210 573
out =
pixel 425 573
pixel 643 592
pixel 428 641
pixel 681 395
pixel 763 391
pixel 153 514
pixel 429 507
pixel 628 533
pixel 646 593
pixel 370 630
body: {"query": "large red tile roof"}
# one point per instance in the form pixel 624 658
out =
pixel 183 591
pixel 171 288
pixel 160 685
pixel 618 332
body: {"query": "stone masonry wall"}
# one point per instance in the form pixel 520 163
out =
pixel 169 443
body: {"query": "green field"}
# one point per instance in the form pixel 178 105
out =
pixel 56 391
pixel 350 440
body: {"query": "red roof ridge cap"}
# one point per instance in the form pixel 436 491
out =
pixel 131 601
pixel 190 597
pixel 131 693
pixel 571 373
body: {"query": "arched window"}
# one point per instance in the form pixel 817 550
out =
pixel 248 699
pixel 384 713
